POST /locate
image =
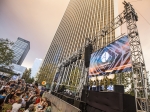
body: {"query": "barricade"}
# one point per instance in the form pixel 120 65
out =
pixel 58 105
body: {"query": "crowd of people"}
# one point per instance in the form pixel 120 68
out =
pixel 18 96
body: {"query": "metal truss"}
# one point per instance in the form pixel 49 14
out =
pixel 139 74
pixel 138 64
pixel 129 16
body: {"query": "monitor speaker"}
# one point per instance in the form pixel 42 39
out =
pixel 87 55
pixel 119 88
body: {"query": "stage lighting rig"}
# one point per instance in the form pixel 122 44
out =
pixel 129 10
pixel 72 58
pixel 133 34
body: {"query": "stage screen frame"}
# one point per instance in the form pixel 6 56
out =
pixel 111 59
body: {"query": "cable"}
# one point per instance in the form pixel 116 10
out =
pixel 143 16
pixel 140 13
pixel 136 1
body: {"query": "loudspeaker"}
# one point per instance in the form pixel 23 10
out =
pixel 84 95
pixel 70 100
pixel 80 104
pixel 119 88
pixel 85 87
pixel 64 98
pixel 87 55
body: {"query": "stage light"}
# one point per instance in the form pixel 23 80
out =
pixel 100 77
pixel 111 76
pixel 135 76
pixel 133 34
pixel 93 78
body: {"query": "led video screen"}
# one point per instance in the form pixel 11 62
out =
pixel 112 59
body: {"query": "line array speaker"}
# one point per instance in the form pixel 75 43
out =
pixel 87 55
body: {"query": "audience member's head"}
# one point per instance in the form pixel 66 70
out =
pixel 31 107
pixel 44 99
pixel 36 85
pixel 19 101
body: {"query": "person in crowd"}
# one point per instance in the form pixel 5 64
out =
pixel 30 100
pixel 19 96
pixel 2 83
pixel 1 104
pixel 37 89
pixel 38 99
pixel 16 106
pixel 42 106
pixel 23 100
pixel 27 96
pixel 48 107
pixel 9 96
pixel 30 109
pixel 3 90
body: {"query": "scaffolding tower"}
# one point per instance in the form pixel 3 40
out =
pixel 139 73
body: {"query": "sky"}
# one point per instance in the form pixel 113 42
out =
pixel 38 20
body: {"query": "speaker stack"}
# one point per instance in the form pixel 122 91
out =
pixel 119 88
pixel 87 55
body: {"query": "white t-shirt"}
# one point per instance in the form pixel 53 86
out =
pixel 23 102
pixel 27 110
pixel 16 107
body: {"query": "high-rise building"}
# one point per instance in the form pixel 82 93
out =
pixel 36 66
pixel 17 69
pixel 82 19
pixel 21 47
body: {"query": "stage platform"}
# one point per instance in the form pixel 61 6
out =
pixel 108 102
pixel 92 101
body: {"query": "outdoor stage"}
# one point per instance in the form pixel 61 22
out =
pixel 93 101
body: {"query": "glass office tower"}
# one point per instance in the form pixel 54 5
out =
pixel 21 48
pixel 82 19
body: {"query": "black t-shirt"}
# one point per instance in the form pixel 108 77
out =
pixel 8 97
pixel 1 108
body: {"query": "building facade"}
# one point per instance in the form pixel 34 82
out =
pixel 17 69
pixel 82 19
pixel 36 66
pixel 21 48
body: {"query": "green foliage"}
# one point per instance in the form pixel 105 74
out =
pixel 6 53
pixel 74 77
pixel 27 76
pixel 126 80
pixel 45 71
pixel 73 82
pixel 30 80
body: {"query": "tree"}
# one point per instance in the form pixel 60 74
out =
pixel 126 80
pixel 30 80
pixel 46 73
pixel 74 78
pixel 27 76
pixel 6 53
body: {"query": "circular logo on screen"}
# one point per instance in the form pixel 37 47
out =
pixel 105 57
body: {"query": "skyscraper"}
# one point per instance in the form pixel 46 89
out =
pixel 82 19
pixel 20 48
pixel 36 66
